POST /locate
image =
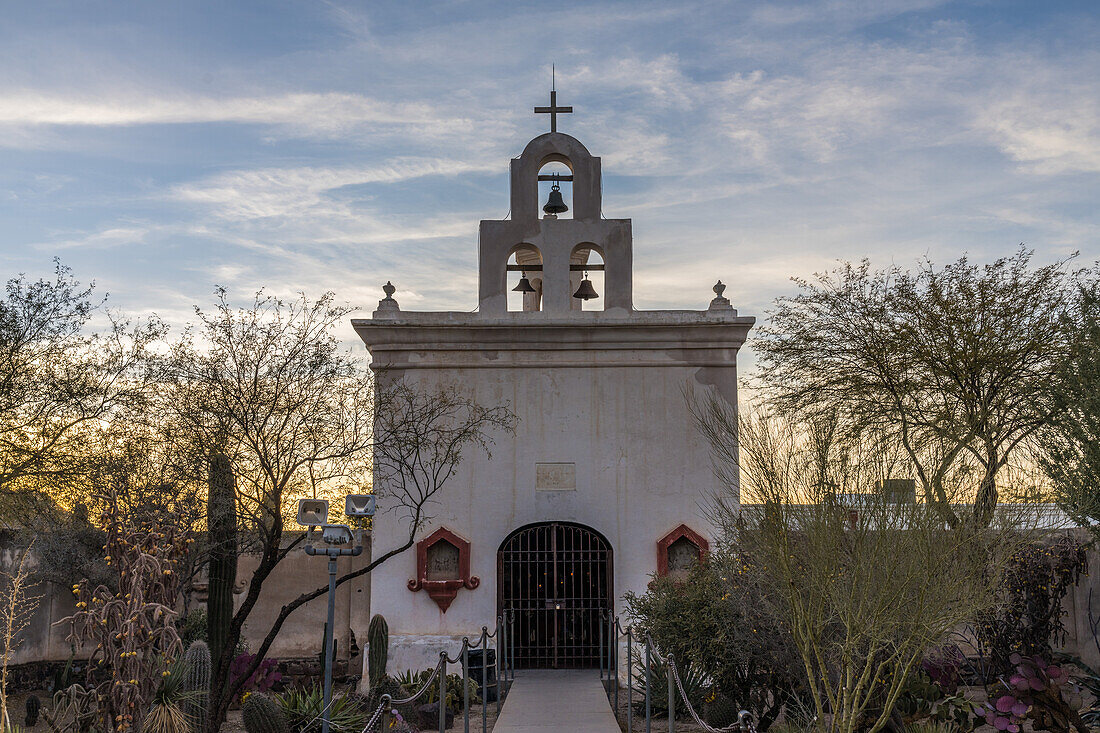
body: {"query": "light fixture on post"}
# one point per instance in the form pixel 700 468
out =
pixel 313 513
pixel 586 291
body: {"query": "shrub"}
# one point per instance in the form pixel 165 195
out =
pixel 718 621
pixel 1028 619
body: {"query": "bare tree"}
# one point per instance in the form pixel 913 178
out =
pixel 956 365
pixel 269 388
pixel 57 381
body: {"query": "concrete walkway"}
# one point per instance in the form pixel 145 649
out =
pixel 546 701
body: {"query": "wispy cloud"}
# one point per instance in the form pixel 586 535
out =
pixel 751 141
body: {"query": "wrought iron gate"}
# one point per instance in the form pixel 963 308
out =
pixel 557 579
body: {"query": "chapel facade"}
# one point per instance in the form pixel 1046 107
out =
pixel 602 482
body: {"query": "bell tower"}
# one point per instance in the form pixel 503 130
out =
pixel 554 254
pixel 605 470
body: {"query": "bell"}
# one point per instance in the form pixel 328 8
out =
pixel 524 285
pixel 586 291
pixel 555 204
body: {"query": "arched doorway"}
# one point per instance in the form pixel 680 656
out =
pixel 557 577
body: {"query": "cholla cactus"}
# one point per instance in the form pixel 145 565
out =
pixel 197 683
pixel 133 630
pixel 261 714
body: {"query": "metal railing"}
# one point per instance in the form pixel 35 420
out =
pixel 611 646
pixel 503 665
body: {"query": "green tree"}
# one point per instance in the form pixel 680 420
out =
pixel 1070 454
pixel 956 365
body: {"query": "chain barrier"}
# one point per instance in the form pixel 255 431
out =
pixel 744 722
pixel 388 705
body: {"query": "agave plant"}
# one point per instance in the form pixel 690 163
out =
pixel 303 711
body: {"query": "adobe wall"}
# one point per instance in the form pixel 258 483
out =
pixel 300 637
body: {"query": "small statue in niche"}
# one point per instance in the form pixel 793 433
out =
pixel 682 555
pixel 442 562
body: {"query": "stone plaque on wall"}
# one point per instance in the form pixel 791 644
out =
pixel 556 476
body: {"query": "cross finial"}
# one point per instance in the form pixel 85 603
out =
pixel 553 110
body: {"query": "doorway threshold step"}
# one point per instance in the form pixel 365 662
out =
pixel 547 701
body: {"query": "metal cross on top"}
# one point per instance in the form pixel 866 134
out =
pixel 553 110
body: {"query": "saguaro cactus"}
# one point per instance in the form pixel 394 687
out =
pixel 378 642
pixel 221 521
pixel 197 682
pixel 34 705
pixel 261 714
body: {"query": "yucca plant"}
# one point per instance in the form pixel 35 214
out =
pixel 303 711
pixel 166 714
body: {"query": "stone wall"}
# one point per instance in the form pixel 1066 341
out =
pixel 300 638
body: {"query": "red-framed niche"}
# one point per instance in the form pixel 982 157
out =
pixel 443 567
pixel 678 549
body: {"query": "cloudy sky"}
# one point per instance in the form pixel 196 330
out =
pixel 163 148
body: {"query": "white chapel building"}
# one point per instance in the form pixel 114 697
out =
pixel 601 484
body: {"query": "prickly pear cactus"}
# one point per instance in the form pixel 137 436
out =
pixel 261 714
pixel 197 682
pixel 378 642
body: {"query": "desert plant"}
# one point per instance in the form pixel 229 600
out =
pixel 303 708
pixel 221 518
pixel 33 706
pixel 193 627
pixel 197 682
pixel 694 682
pixel 132 631
pixel 264 676
pixel 73 709
pixel 932 726
pixel 717 619
pixel 411 682
pixel 378 641
pixel 1028 620
pixel 16 608
pixel 261 714
pixel 864 584
pixel 172 700
pixel 1033 691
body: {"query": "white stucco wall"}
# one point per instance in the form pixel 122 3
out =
pixel 642 468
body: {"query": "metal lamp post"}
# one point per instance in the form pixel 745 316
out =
pixel 313 513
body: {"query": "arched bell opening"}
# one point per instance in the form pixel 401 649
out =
pixel 525 278
pixel 555 188
pixel 586 278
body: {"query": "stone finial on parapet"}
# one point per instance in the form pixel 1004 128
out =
pixel 719 302
pixel 388 304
